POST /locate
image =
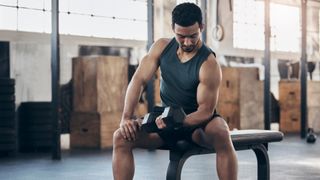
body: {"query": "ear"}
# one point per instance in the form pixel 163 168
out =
pixel 201 26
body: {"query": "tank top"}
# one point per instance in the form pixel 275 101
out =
pixel 180 80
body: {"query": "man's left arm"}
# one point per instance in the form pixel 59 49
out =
pixel 207 92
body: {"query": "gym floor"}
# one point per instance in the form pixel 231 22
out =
pixel 291 159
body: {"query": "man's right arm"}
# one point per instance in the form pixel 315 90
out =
pixel 143 74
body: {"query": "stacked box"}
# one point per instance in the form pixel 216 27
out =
pixel 241 98
pixel 289 99
pixel 99 87
pixel 290 105
pixel 157 80
pixel 35 127
pixel 314 105
pixel 8 135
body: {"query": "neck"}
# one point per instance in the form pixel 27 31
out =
pixel 186 56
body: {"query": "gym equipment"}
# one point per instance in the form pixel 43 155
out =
pixel 35 127
pixel 8 126
pixel 149 122
pixel 256 140
pixel 311 136
pixel 173 118
pixel 311 67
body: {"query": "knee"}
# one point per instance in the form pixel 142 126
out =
pixel 118 140
pixel 221 134
pixel 219 130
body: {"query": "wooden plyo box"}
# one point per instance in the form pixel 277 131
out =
pixel 290 102
pixel 99 87
pixel 313 95
pixel 157 98
pixel 241 98
pixel 99 83
pixel 289 99
pixel 93 130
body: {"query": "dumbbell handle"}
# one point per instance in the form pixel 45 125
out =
pixel 172 117
pixel 148 123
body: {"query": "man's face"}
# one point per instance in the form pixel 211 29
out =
pixel 187 37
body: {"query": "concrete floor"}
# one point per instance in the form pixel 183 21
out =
pixel 291 159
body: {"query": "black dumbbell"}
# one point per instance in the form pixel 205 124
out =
pixel 173 118
pixel 311 136
pixel 149 122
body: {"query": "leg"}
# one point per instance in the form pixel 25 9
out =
pixel 216 135
pixel 122 157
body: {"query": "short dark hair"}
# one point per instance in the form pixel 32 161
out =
pixel 186 14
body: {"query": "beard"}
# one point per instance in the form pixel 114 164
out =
pixel 188 48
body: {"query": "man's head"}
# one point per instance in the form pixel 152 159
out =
pixel 187 25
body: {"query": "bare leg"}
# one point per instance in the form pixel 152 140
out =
pixel 216 134
pixel 122 157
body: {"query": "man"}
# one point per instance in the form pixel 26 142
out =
pixel 190 79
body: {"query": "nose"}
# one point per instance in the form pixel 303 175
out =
pixel 187 41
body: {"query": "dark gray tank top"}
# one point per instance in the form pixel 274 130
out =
pixel 179 81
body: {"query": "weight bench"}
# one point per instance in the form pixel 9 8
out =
pixel 257 140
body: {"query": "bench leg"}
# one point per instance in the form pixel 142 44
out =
pixel 177 160
pixel 263 161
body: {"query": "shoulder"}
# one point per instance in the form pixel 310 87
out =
pixel 210 64
pixel 210 69
pixel 155 51
pixel 163 41
pixel 158 46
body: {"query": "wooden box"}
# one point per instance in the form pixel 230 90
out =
pixel 290 102
pixel 141 110
pixel 99 83
pixel 313 96
pixel 231 113
pixel 99 87
pixel 157 98
pixel 93 130
pixel 241 98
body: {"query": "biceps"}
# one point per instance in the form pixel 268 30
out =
pixel 207 97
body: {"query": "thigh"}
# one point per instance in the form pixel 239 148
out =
pixel 213 132
pixel 148 140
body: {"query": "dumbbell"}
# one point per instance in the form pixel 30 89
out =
pixel 311 136
pixel 149 122
pixel 172 117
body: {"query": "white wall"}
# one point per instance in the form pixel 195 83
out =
pixel 30 60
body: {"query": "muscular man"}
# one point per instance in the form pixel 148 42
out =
pixel 190 79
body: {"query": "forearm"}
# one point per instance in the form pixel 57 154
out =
pixel 198 117
pixel 133 93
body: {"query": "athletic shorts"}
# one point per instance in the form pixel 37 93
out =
pixel 171 137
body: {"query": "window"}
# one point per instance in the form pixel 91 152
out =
pixel 248 26
pixel 285 28
pixel 124 19
pixel 197 2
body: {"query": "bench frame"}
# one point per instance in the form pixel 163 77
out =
pixel 256 140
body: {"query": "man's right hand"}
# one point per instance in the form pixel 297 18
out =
pixel 160 123
pixel 129 129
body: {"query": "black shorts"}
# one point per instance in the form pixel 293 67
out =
pixel 171 137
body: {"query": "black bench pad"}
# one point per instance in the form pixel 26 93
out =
pixel 257 140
